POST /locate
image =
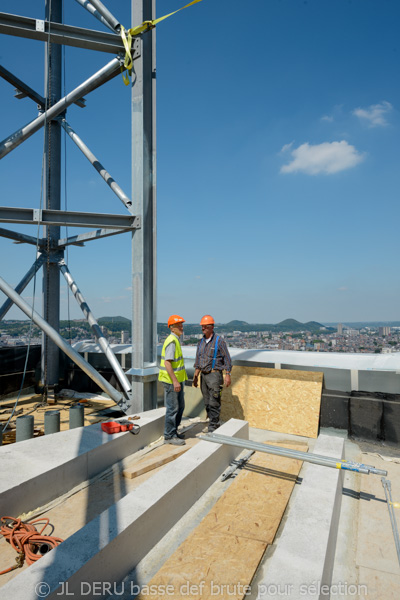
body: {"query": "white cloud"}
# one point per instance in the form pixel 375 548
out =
pixel 374 115
pixel 325 158
pixel 327 118
pixel 286 147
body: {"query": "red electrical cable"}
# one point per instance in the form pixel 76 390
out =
pixel 30 543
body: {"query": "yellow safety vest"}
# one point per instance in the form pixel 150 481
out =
pixel 177 364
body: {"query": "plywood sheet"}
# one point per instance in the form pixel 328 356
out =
pixel 157 458
pixel 278 400
pixel 220 557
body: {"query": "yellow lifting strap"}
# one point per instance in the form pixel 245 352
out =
pixel 127 36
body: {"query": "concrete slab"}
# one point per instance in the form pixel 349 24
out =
pixel 109 546
pixel 303 559
pixel 34 472
pixel 377 585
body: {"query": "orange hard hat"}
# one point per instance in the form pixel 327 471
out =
pixel 174 319
pixel 207 320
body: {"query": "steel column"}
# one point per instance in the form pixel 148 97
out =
pixel 61 343
pixel 52 200
pixel 144 321
pixel 100 337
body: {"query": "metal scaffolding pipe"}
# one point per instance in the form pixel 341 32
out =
pixel 100 337
pixel 325 461
pixel 89 7
pixel 97 165
pixel 105 13
pixel 87 86
pixel 61 343
pixel 22 284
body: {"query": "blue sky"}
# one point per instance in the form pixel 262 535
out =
pixel 278 162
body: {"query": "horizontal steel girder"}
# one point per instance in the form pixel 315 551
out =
pixel 22 87
pixel 79 240
pixel 31 216
pixel 28 91
pixel 37 29
pixel 21 238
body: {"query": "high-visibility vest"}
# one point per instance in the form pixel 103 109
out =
pixel 177 364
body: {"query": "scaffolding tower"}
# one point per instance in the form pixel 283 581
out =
pixel 139 218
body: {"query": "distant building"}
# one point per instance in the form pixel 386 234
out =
pixel 124 337
pixel 384 331
pixel 340 328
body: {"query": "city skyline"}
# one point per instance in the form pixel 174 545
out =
pixel 277 161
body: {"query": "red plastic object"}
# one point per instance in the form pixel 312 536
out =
pixel 115 427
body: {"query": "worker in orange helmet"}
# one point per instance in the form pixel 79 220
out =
pixel 212 358
pixel 173 376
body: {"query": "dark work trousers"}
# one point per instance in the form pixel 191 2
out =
pixel 175 404
pixel 211 387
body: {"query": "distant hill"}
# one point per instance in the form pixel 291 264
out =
pixel 291 323
pixel 124 320
pixel 236 324
pixel 117 324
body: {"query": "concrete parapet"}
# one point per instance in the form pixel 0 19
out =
pixel 34 472
pixel 111 545
pixel 302 563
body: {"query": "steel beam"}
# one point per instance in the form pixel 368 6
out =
pixel 20 85
pixel 144 322
pixel 90 8
pixel 36 29
pixel 29 216
pixel 79 240
pixel 59 107
pixel 100 337
pixel 61 343
pixel 22 284
pixel 20 237
pixel 97 165
pixel 28 91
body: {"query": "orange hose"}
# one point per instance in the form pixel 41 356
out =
pixel 26 540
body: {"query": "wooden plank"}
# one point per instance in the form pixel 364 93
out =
pixel 220 557
pixel 158 457
pixel 286 401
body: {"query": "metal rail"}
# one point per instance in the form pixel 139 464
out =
pixel 387 486
pixel 317 459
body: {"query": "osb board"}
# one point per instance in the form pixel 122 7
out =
pixel 278 400
pixel 157 458
pixel 220 557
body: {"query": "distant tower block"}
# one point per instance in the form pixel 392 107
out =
pixel 124 337
pixel 384 331
pixel 340 328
